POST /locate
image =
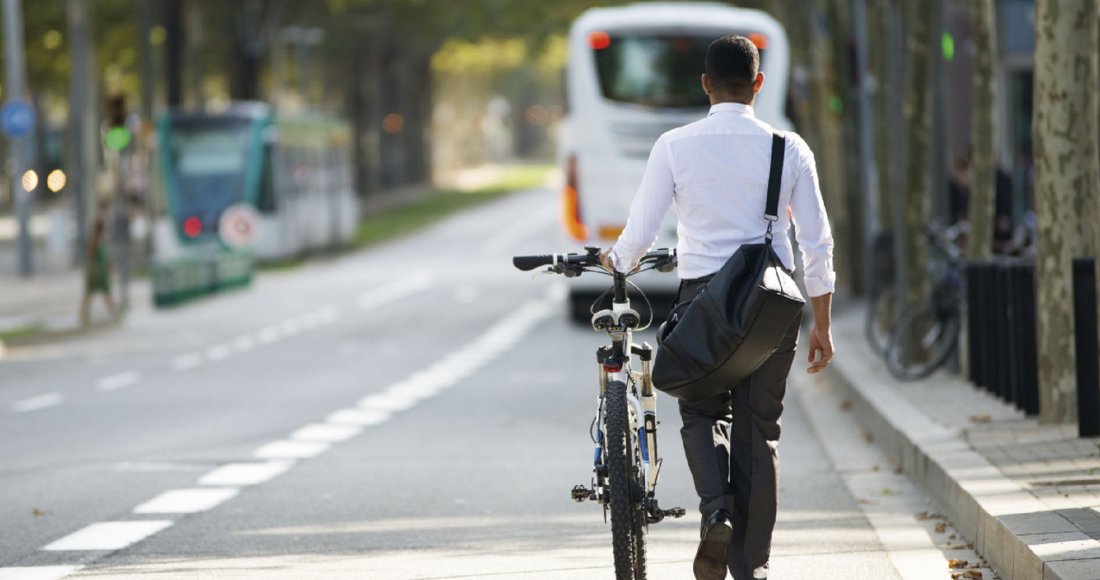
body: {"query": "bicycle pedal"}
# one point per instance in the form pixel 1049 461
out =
pixel 579 493
pixel 676 512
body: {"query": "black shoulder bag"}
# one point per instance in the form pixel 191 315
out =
pixel 737 320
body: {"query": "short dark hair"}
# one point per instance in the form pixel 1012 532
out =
pixel 732 64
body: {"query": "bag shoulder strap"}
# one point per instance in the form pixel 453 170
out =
pixel 771 209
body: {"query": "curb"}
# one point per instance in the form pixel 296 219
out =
pixel 1006 523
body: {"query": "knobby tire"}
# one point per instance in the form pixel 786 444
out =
pixel 627 543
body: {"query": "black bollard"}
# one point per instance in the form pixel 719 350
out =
pixel 1088 349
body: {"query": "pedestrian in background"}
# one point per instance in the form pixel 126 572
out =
pixel 97 271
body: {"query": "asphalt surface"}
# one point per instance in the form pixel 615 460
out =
pixel 416 410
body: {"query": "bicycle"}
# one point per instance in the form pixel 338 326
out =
pixel 625 464
pixel 935 322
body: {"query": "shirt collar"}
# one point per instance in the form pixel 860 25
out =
pixel 739 108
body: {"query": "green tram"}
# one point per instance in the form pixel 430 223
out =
pixel 293 171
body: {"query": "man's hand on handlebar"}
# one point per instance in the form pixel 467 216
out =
pixel 606 262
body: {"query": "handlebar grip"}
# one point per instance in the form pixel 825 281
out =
pixel 527 263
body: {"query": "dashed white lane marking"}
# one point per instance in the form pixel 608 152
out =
pixel 388 402
pixel 357 417
pixel 268 334
pixel 38 572
pixel 241 474
pixel 186 501
pixel 187 361
pixel 38 403
pixel 289 449
pixel 118 381
pixel 395 290
pixel 290 327
pixel 108 535
pixel 244 343
pixel 218 352
pixel 326 433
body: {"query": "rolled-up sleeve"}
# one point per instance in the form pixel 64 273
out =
pixel 811 223
pixel 648 209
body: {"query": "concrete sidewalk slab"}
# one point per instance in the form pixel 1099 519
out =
pixel 1027 495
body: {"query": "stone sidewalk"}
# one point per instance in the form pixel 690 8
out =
pixel 1026 495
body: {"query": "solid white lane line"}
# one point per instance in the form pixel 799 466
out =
pixel 187 361
pixel 186 501
pixel 108 535
pixel 118 381
pixel 38 403
pixel 357 417
pixel 289 449
pixel 38 572
pixel 241 474
pixel 326 433
pixel 395 290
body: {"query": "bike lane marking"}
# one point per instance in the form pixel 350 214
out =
pixel 303 443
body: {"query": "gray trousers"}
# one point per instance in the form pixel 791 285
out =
pixel 731 444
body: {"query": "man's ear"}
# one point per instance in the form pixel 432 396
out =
pixel 705 80
pixel 758 83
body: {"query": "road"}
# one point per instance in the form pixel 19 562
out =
pixel 416 410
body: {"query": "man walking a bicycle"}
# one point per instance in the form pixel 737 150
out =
pixel 717 170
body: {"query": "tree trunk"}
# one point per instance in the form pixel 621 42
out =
pixel 826 81
pixel 1066 186
pixel 918 122
pixel 983 132
pixel 885 99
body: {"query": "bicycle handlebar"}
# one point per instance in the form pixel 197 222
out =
pixel 661 258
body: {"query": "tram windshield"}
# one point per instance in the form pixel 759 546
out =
pixel 209 163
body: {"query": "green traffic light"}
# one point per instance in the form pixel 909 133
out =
pixel 947 43
pixel 118 138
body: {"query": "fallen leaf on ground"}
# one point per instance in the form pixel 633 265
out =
pixel 951 537
pixel 846 405
pixel 866 501
pixel 972 574
pixel 875 468
pixel 941 528
pixel 956 564
pixel 983 418
pixel 927 516
pixel 38 512
pixel 887 491
pixel 867 437
pixel 950 547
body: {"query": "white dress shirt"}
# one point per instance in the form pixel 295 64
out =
pixel 716 171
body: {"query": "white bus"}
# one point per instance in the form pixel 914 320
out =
pixel 632 74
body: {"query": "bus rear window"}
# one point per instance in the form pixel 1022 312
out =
pixel 655 70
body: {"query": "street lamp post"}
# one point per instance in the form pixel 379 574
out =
pixel 15 81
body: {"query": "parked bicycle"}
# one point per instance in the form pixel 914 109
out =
pixel 626 464
pixel 926 334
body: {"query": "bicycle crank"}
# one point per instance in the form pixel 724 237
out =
pixel 581 493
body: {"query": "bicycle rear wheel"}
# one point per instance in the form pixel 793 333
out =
pixel 921 342
pixel 880 319
pixel 627 508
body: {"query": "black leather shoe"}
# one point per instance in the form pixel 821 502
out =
pixel 710 558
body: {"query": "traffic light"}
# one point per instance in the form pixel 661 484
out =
pixel 118 134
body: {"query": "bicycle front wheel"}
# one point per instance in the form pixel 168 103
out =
pixel 628 524
pixel 921 342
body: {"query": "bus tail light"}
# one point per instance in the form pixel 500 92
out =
pixel 611 232
pixel 571 220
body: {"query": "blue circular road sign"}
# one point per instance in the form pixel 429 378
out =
pixel 16 118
